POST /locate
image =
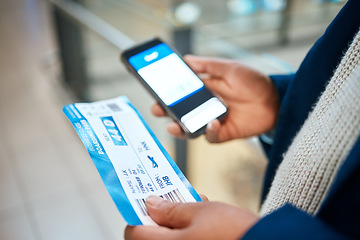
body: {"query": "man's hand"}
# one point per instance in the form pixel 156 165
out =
pixel 251 97
pixel 202 220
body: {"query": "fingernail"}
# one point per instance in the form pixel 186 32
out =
pixel 210 125
pixel 154 200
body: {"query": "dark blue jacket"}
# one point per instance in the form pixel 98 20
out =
pixel 339 216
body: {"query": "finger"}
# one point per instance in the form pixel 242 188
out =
pixel 157 110
pixel 170 214
pixel 204 198
pixel 150 233
pixel 212 131
pixel 175 130
pixel 214 66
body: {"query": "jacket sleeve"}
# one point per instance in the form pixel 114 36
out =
pixel 289 222
pixel 281 83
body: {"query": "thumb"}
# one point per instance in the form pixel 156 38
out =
pixel 212 131
pixel 169 214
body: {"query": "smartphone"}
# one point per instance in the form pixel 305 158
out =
pixel 174 85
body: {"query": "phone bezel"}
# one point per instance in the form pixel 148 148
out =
pixel 127 53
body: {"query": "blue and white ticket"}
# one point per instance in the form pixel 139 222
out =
pixel 129 158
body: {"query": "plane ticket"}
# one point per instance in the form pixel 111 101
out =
pixel 129 158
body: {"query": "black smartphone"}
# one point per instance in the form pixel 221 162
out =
pixel 174 85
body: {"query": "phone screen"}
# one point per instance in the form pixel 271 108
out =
pixel 166 73
pixel 177 86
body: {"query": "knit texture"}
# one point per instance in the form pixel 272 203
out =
pixel 317 152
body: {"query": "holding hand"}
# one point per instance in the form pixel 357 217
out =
pixel 201 220
pixel 251 97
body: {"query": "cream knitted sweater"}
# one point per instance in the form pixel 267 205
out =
pixel 321 146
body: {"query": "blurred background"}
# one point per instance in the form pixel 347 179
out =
pixel 55 52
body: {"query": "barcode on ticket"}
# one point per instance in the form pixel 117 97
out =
pixel 173 196
pixel 114 107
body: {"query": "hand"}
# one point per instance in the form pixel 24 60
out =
pixel 251 97
pixel 202 220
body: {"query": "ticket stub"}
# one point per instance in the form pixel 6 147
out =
pixel 129 158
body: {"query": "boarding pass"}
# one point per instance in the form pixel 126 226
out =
pixel 129 158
